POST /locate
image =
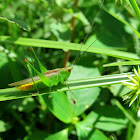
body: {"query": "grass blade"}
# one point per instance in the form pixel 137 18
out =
pixel 13 93
pixel 122 63
pixel 69 46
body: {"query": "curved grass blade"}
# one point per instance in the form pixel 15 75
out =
pixel 70 46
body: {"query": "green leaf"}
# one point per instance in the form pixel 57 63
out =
pixel 86 129
pixel 20 23
pixel 78 99
pixel 88 133
pixel 59 105
pixel 61 135
pixel 107 118
pixel 82 99
pixel 70 46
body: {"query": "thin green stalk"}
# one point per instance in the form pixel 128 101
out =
pixel 129 131
pixel 42 102
pixel 118 104
pixel 135 7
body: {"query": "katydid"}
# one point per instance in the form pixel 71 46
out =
pixel 44 78
pixel 49 79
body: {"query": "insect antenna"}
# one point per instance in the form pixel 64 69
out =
pixel 88 33
pixel 32 61
pixel 85 40
pixel 75 61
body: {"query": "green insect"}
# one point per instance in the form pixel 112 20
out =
pixel 44 78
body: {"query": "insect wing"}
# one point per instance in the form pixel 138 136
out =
pixel 25 81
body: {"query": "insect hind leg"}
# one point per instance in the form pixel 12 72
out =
pixel 73 100
pixel 50 90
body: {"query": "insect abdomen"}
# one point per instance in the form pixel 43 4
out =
pixel 26 87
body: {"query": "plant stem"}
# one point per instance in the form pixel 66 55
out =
pixel 67 54
pixel 118 104
pixel 42 102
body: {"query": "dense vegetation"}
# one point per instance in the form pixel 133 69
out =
pixel 94 113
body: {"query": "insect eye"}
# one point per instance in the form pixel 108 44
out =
pixel 69 70
pixel 25 60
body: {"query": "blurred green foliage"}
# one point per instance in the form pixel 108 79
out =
pixel 83 114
